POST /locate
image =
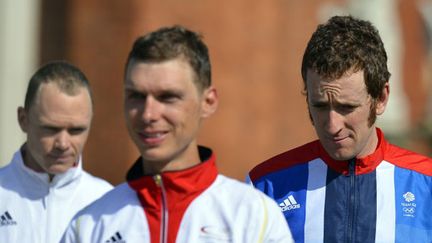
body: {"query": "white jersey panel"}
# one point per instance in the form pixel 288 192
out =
pixel 316 190
pixel 386 218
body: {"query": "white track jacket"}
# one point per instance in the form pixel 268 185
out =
pixel 34 210
pixel 193 205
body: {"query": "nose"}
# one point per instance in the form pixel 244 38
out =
pixel 62 140
pixel 334 122
pixel 151 110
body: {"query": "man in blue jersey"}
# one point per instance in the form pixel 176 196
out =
pixel 351 185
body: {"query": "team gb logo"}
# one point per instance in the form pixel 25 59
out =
pixel 409 197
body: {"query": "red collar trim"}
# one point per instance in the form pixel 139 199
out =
pixel 362 165
pixel 178 185
pixel 180 188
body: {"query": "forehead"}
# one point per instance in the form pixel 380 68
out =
pixel 348 86
pixel 52 104
pixel 174 73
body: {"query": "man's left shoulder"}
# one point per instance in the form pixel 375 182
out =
pixel 408 159
pixel 94 183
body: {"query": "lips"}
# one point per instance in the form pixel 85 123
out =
pixel 62 158
pixel 338 139
pixel 152 137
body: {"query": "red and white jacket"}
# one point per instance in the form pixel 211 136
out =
pixel 192 205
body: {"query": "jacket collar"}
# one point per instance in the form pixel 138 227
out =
pixel 41 178
pixel 362 165
pixel 177 185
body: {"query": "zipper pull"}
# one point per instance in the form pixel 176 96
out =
pixel 158 179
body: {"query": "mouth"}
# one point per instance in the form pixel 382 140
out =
pixel 152 137
pixel 61 158
pixel 339 140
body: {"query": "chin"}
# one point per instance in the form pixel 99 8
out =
pixel 59 169
pixel 152 155
pixel 341 156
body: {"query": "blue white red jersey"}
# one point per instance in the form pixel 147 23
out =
pixel 192 205
pixel 384 197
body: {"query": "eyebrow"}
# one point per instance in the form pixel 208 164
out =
pixel 335 102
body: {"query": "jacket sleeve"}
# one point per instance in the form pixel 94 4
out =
pixel 274 227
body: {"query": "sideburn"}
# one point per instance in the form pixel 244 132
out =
pixel 372 113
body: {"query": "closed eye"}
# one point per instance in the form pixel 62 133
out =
pixel 169 97
pixel 50 129
pixel 320 105
pixel 347 108
pixel 76 130
pixel 134 95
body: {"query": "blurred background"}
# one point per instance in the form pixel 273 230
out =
pixel 256 49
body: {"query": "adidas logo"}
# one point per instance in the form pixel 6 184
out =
pixel 116 238
pixel 6 219
pixel 289 203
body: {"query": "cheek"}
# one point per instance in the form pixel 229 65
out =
pixel 317 118
pixel 184 119
pixel 362 116
pixel 79 142
pixel 186 111
pixel 131 115
pixel 176 117
pixel 43 145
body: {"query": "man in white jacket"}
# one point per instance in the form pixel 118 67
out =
pixel 174 192
pixel 44 185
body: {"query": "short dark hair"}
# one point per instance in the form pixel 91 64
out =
pixel 172 42
pixel 345 43
pixel 65 75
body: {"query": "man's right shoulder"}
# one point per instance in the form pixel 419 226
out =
pixel 8 174
pixel 299 155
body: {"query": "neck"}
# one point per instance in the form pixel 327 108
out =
pixel 370 146
pixel 180 163
pixel 154 168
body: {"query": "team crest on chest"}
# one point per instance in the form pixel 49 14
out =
pixel 408 204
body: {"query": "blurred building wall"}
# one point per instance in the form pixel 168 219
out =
pixel 19 25
pixel 256 49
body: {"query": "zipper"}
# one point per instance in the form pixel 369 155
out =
pixel 48 209
pixel 164 210
pixel 351 201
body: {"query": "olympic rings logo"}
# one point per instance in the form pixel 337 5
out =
pixel 409 210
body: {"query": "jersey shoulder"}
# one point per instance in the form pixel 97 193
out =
pixel 115 200
pixel 299 155
pixel 407 159
pixel 96 183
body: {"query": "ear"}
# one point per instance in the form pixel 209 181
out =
pixel 209 101
pixel 383 99
pixel 22 118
